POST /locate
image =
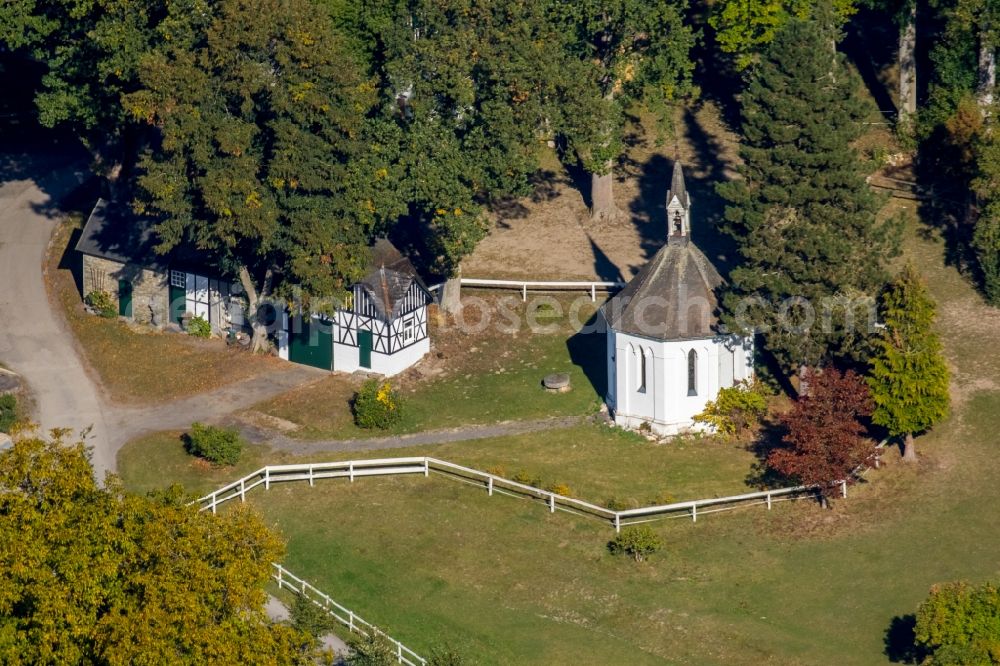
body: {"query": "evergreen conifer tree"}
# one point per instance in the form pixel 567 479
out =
pixel 803 217
pixel 909 377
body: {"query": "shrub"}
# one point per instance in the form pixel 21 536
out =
pixel 559 489
pixel 377 405
pixel 445 656
pixel 103 303
pixel 309 618
pixel 221 446
pixel 663 497
pixel 636 542
pixel 736 409
pixel 199 327
pixel 527 478
pixel 8 412
pixel 497 470
pixel 371 650
pixel 620 503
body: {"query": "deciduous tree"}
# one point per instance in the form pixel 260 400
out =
pixel 959 624
pixel 909 376
pixel 260 159
pixel 96 575
pixel 824 435
pixel 632 51
pixel 745 27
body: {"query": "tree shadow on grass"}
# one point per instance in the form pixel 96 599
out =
pixel 900 641
pixel 588 350
pixel 769 437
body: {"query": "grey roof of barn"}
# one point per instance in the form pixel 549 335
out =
pixel 390 275
pixel 670 298
pixel 113 232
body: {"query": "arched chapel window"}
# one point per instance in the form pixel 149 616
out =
pixel 692 372
pixel 642 371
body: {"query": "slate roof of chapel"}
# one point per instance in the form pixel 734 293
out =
pixel 673 296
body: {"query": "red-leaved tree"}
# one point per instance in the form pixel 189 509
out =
pixel 825 437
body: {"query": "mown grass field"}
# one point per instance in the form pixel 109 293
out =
pixel 597 463
pixel 506 582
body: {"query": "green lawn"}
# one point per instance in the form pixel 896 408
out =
pixel 596 462
pixel 493 379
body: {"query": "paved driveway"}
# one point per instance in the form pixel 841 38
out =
pixel 33 340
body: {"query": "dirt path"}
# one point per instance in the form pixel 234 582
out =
pixel 281 442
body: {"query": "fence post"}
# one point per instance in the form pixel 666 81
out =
pixel 280 570
pixel 350 470
pixel 267 478
pixel 350 620
pixel 843 489
pixel 213 502
pixel 769 501
pixel 399 652
pixel 618 523
pixel 593 292
pixel 311 483
pixel 427 468
pixel 552 502
pixel 876 461
pixel 489 486
pixel 524 292
pixel 243 490
pixel 694 513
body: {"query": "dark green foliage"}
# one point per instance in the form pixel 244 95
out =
pixel 8 411
pixel 802 214
pixel 199 327
pixel 959 625
pixel 261 113
pixel 638 542
pixel 377 405
pixel 221 446
pixel 986 237
pixel 372 650
pixel 619 52
pixel 465 90
pixel 103 303
pixel 909 375
pixel 309 618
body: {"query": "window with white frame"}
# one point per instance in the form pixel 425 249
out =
pixel 409 330
pixel 177 279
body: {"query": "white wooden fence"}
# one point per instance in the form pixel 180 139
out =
pixel 287 580
pixel 540 285
pixel 352 469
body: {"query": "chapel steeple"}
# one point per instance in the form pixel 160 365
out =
pixel 678 208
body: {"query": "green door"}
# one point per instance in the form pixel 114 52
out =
pixel 311 343
pixel 178 303
pixel 124 298
pixel 365 349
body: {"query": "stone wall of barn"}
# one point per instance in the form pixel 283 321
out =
pixel 150 290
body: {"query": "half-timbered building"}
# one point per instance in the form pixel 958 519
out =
pixel 384 326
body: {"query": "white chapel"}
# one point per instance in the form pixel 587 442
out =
pixel 666 358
